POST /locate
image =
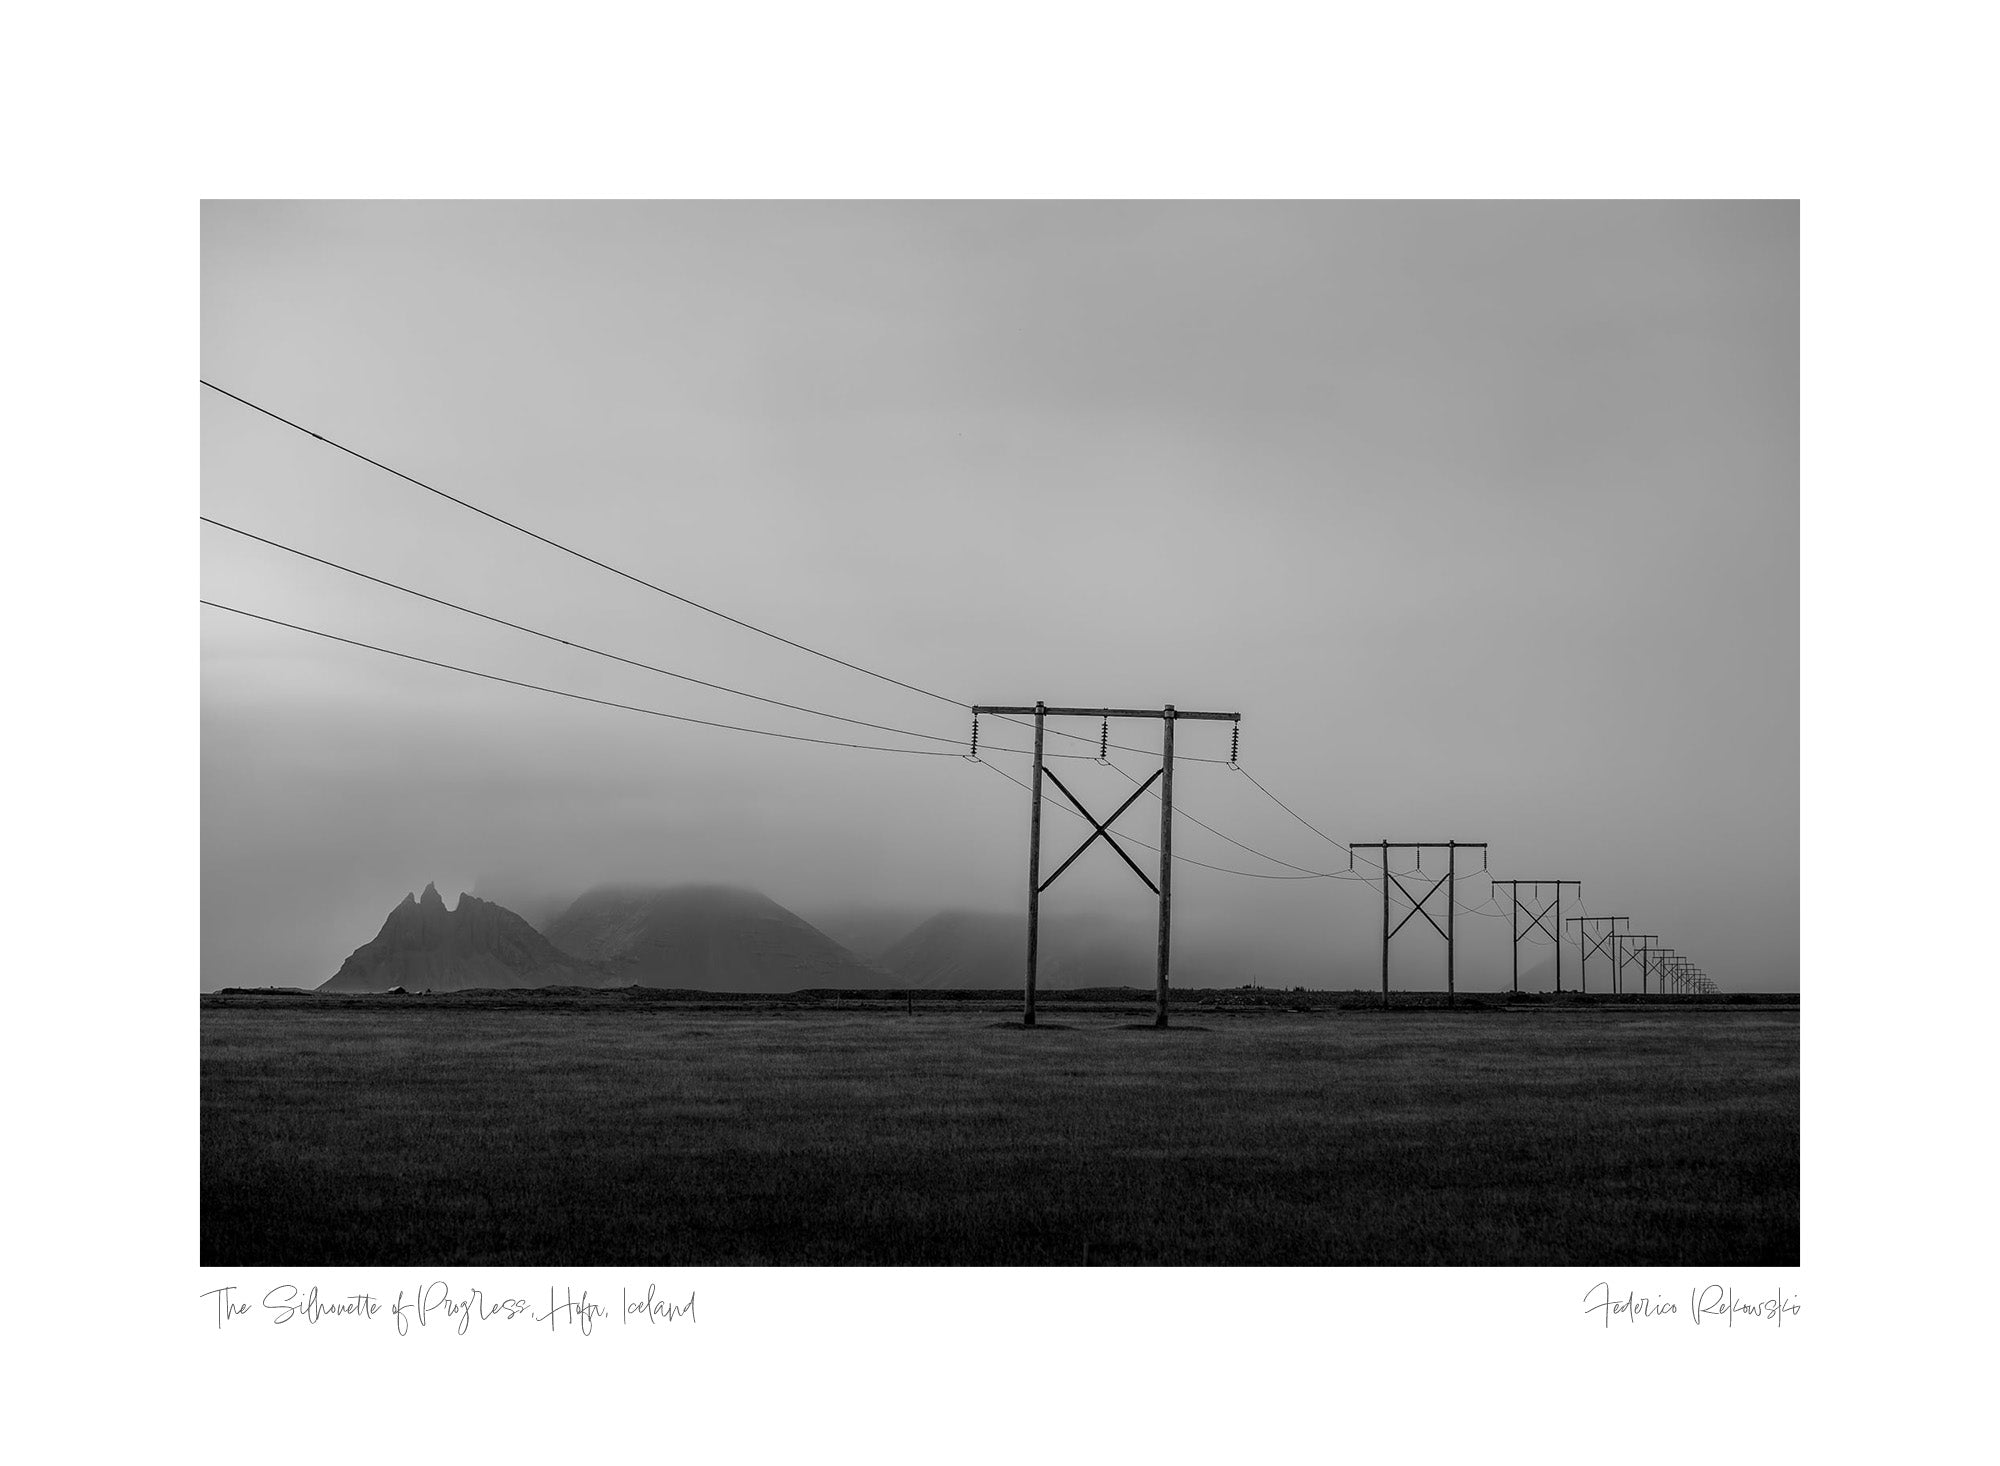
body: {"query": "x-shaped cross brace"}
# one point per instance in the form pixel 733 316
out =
pixel 1596 944
pixel 1417 902
pixel 1537 921
pixel 1102 828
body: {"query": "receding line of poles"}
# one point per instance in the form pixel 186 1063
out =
pixel 1448 883
pixel 1687 978
pixel 1168 715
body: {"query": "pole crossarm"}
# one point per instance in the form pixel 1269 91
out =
pixel 1177 714
pixel 1419 844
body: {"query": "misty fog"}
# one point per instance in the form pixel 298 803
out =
pixel 1485 517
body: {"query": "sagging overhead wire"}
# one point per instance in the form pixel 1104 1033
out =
pixel 580 555
pixel 600 652
pixel 638 580
pixel 576 645
pixel 1246 849
pixel 1296 815
pixel 578 696
pixel 1104 745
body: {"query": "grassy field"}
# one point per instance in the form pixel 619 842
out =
pixel 362 1134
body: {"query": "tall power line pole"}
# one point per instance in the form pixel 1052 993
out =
pixel 1169 715
pixel 1538 919
pixel 1587 945
pixel 1448 883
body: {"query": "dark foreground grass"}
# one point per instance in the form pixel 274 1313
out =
pixel 680 1138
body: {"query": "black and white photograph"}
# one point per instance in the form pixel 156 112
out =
pixel 1064 734
pixel 1071 732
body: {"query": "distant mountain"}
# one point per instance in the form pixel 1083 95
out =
pixel 867 931
pixel 718 939
pixel 978 949
pixel 476 945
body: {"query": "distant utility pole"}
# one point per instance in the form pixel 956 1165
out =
pixel 1537 920
pixel 1448 883
pixel 1169 715
pixel 1587 944
pixel 1664 957
pixel 1627 954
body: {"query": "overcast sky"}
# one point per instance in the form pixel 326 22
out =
pixel 1484 516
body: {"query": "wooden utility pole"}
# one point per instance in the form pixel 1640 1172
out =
pixel 1587 944
pixel 1538 920
pixel 1448 882
pixel 1451 923
pixel 1166 866
pixel 1034 873
pixel 1101 829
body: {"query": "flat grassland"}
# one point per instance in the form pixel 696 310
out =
pixel 335 1135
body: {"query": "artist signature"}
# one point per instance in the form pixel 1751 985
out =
pixel 1712 1303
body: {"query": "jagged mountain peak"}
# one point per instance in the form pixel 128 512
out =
pixel 423 945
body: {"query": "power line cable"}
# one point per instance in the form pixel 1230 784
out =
pixel 578 696
pixel 637 579
pixel 1303 872
pixel 579 554
pixel 710 723
pixel 1295 814
pixel 577 645
pixel 1246 849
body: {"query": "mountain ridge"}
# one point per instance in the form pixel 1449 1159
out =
pixel 426 946
pixel 717 938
